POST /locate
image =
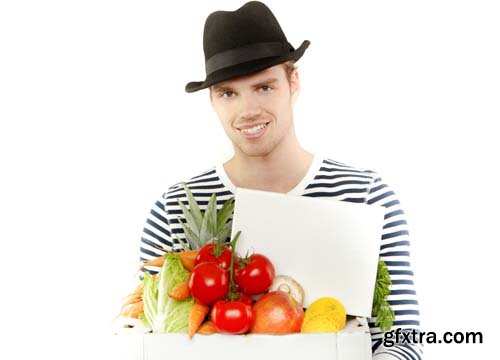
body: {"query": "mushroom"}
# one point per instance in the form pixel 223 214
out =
pixel 289 285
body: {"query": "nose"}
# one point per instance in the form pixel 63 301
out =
pixel 250 108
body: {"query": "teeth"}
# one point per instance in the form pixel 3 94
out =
pixel 253 130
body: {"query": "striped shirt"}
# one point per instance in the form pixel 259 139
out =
pixel 326 178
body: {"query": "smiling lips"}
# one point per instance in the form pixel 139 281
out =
pixel 254 131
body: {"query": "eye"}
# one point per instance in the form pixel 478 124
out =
pixel 266 88
pixel 226 94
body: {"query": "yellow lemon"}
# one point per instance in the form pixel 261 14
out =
pixel 325 304
pixel 324 315
pixel 320 323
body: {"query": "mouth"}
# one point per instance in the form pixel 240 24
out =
pixel 254 131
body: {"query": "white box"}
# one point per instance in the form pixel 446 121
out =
pixel 342 263
pixel 330 247
pixel 351 343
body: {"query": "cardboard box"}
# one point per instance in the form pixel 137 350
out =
pixel 351 343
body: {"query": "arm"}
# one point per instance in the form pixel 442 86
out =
pixel 395 251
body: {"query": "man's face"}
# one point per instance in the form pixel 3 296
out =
pixel 256 110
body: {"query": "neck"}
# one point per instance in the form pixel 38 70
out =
pixel 278 171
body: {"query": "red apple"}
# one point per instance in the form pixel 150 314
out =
pixel 277 313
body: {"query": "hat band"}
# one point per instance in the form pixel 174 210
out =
pixel 244 54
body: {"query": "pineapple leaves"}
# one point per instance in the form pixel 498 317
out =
pixel 195 242
pixel 224 232
pixel 211 213
pixel 202 227
pixel 180 244
pixel 209 222
pixel 193 206
pixel 190 221
pixel 224 213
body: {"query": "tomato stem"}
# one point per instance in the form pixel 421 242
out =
pixel 233 293
pixel 218 247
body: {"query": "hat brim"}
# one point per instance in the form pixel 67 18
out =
pixel 246 68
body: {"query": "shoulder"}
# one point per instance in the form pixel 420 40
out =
pixel 352 183
pixel 202 184
pixel 198 179
pixel 378 189
pixel 329 165
pixel 201 176
pixel 371 178
pixel 337 180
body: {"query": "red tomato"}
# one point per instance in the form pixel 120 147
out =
pixel 207 254
pixel 246 299
pixel 232 317
pixel 208 283
pixel 256 276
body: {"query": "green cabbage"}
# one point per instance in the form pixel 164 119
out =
pixel 161 312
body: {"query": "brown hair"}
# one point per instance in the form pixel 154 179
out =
pixel 289 68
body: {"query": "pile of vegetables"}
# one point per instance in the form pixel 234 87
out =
pixel 207 287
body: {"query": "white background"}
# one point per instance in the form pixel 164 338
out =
pixel 95 125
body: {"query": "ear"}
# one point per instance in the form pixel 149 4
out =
pixel 294 85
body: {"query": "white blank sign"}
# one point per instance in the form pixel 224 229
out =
pixel 330 247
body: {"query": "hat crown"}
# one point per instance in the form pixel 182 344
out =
pixel 242 42
pixel 250 24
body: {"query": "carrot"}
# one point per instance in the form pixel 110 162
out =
pixel 138 289
pixel 188 258
pixel 207 328
pixel 131 299
pixel 133 310
pixel 196 317
pixel 180 291
pixel 157 262
pixel 134 297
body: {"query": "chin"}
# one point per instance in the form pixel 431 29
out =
pixel 255 151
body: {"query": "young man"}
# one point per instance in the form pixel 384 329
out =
pixel 253 85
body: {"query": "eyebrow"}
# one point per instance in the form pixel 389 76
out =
pixel 259 84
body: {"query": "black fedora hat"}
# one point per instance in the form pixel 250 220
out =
pixel 242 42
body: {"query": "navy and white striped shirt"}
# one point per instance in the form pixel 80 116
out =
pixel 326 178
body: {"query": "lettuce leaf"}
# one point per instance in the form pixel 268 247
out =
pixel 161 312
pixel 381 308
